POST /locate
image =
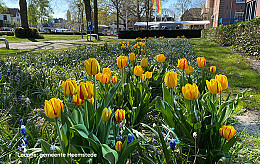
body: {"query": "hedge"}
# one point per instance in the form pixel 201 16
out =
pixel 7 33
pixel 27 33
pixel 243 36
pixel 68 33
pixel 130 34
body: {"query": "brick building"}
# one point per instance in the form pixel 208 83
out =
pixel 228 9
pixel 252 9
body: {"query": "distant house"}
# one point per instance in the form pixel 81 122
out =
pixel 10 18
pixel 193 14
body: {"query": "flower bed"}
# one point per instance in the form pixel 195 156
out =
pixel 151 100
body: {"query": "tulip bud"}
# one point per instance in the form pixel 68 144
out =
pixel 170 79
pixel 227 132
pixel 98 76
pixel 148 75
pixel 182 63
pixel 85 90
pixel 144 62
pixel 120 115
pixel 91 100
pixel 77 100
pixel 53 108
pixel 69 87
pixel 214 86
pixel 138 70
pixel 132 56
pixel 212 69
pixel 190 92
pixel 201 62
pixel 114 79
pixel 118 146
pixel 143 77
pixel 92 66
pixel 160 58
pixel 122 61
pixel 189 70
pixel 223 81
pixel 106 113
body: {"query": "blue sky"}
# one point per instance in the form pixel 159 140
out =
pixel 60 10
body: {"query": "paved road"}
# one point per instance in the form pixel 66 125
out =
pixel 42 45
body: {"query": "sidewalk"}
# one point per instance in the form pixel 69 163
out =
pixel 42 45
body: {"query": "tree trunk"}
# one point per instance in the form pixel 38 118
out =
pixel 87 10
pixel 117 16
pixel 95 17
pixel 23 13
pixel 138 11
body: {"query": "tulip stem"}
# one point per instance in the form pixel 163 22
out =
pixel 59 133
pixel 86 110
pixel 95 94
pixel 220 99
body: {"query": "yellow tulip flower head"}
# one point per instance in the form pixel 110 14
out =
pixel 149 75
pixel 132 56
pixel 118 146
pixel 223 81
pixel 214 86
pixel 92 66
pixel 53 108
pixel 160 58
pixel 122 61
pixel 227 132
pixel 170 79
pixel 201 62
pixel 106 113
pixel 105 78
pixel 144 62
pixel 120 115
pixel 115 79
pixel 69 87
pixel 213 69
pixel 98 76
pixel 85 90
pixel 138 70
pixel 107 70
pixel 182 63
pixel 190 92
pixel 77 100
pixel 189 70
pixel 143 77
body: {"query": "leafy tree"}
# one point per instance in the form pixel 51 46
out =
pixel 3 8
pixel 68 16
pixel 32 12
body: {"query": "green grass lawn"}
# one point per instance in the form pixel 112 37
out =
pixel 237 69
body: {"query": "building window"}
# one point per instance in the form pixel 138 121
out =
pixel 239 15
pixel 241 1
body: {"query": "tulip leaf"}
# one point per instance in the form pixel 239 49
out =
pixel 128 150
pixel 109 154
pixel 154 131
pixel 81 129
pixel 45 147
pixel 229 144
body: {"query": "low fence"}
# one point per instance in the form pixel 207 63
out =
pixel 130 34
pixel 243 36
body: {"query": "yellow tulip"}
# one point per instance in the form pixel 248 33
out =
pixel 120 43
pixel 107 70
pixel 138 70
pixel 189 70
pixel 138 47
pixel 120 115
pixel 92 66
pixel 143 77
pixel 182 63
pixel 170 79
pixel 105 78
pixel 227 132
pixel 148 75
pixel 77 100
pixel 214 86
pixel 223 81
pixel 160 58
pixel 98 45
pixel 213 69
pixel 118 146
pixel 53 108
pixel 190 92
pixel 122 61
pixel 98 76
pixel 201 62
pixel 106 113
pixel 114 79
pixel 85 90
pixel 144 62
pixel 69 87
pixel 132 56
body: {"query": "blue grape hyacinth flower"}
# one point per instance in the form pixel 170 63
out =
pixel 23 130
pixel 130 138
pixel 172 144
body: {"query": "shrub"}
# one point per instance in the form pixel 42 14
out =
pixel 27 33
pixel 243 36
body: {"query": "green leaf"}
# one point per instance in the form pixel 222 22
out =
pixel 154 131
pixel 109 154
pixel 81 129
pixel 127 151
pixel 45 147
pixel 229 144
